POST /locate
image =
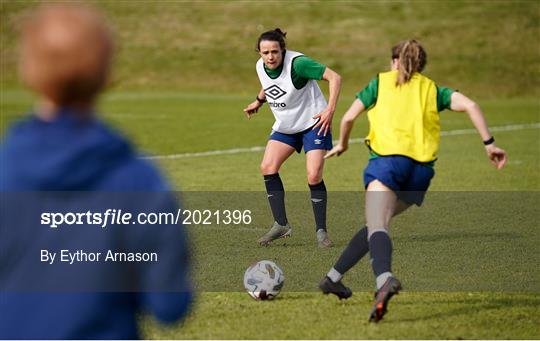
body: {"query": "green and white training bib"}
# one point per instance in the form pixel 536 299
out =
pixel 293 108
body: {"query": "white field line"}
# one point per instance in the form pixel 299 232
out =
pixel 254 149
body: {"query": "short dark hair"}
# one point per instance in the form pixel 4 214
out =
pixel 274 35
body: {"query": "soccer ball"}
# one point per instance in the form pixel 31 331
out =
pixel 263 280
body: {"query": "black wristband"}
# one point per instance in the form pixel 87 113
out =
pixel 260 100
pixel 489 141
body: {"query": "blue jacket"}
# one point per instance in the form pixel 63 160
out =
pixel 70 154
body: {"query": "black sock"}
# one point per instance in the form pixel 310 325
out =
pixel 276 197
pixel 380 247
pixel 357 248
pixel 318 201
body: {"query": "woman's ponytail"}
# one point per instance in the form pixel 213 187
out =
pixel 412 58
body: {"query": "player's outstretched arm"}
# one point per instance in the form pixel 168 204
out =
pixel 462 103
pixel 347 123
pixel 334 88
pixel 254 106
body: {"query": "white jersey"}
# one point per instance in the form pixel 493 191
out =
pixel 293 108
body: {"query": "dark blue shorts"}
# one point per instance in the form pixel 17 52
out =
pixel 408 178
pixel 307 138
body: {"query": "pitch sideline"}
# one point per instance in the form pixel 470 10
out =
pixel 255 149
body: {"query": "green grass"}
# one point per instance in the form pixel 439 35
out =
pixel 477 231
pixel 452 243
pixel 415 315
pixel 468 259
pixel 167 123
pixel 486 48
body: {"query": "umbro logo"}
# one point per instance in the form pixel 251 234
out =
pixel 274 92
pixel 317 141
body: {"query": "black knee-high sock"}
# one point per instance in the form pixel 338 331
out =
pixel 318 201
pixel 380 247
pixel 357 248
pixel 276 197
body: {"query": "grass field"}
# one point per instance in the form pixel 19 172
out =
pixel 167 124
pixel 468 259
pixel 453 315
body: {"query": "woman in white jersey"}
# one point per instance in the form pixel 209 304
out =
pixel 303 118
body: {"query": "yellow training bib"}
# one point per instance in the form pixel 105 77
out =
pixel 405 120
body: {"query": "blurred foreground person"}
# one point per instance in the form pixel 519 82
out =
pixel 65 57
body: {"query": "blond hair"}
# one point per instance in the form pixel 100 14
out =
pixel 65 52
pixel 412 58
